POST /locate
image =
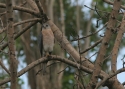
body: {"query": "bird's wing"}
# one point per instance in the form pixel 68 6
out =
pixel 40 39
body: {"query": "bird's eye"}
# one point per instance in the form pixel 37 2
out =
pixel 46 25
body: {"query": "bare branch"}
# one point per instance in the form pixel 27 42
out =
pixel 100 57
pixel 23 9
pixel 39 6
pixel 11 44
pixel 91 33
pixel 2 65
pixel 110 2
pixel 21 22
pixel 50 58
pixel 32 5
pixel 19 34
pixel 117 45
pixel 110 76
pixel 96 43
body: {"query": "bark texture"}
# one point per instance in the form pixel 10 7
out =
pixel 11 44
pixel 105 42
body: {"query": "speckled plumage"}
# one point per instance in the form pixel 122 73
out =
pixel 46 41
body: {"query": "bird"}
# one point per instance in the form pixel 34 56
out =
pixel 46 43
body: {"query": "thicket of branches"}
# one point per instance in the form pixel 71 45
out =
pixel 87 74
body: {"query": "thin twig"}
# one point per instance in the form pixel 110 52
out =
pixel 47 66
pixel 2 65
pixel 18 34
pixel 1 51
pixel 92 55
pixel 99 41
pixel 21 22
pixel 3 38
pixel 123 61
pixel 91 33
pixel 39 6
pixel 95 10
pixel 62 70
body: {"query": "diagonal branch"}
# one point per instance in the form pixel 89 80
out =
pixel 105 42
pixel 96 43
pixel 39 6
pixel 2 65
pixel 90 34
pixel 117 45
pixel 19 34
pixel 32 5
pixel 21 22
pixel 110 76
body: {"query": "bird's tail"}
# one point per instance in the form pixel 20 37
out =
pixel 44 65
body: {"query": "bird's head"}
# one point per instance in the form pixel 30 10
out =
pixel 45 26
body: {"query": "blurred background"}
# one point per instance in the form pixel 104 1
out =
pixel 75 18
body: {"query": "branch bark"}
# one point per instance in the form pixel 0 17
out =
pixel 105 42
pixel 117 45
pixel 110 2
pixel 11 45
pixel 21 22
pixel 23 9
pixel 110 76
pixel 64 43
pixel 44 59
pixel 32 5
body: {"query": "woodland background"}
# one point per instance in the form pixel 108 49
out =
pixel 84 19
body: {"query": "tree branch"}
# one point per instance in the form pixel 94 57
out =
pixel 110 76
pixel 21 22
pixel 44 59
pixel 110 2
pixel 23 9
pixel 90 34
pixel 117 45
pixel 96 43
pixel 19 34
pixel 11 44
pixel 101 55
pixel 32 5
pixel 2 65
pixel 39 6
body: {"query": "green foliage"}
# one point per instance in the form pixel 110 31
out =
pixel 68 78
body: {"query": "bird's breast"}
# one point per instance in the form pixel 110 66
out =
pixel 48 40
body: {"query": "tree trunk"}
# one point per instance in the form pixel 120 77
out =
pixel 30 57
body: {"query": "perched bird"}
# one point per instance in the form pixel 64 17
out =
pixel 46 42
